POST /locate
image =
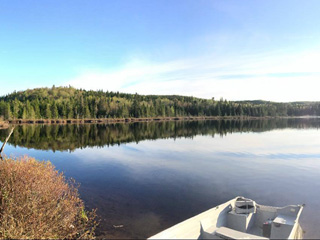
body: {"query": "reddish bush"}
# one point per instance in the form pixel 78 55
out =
pixel 37 202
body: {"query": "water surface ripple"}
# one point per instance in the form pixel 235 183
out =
pixel 149 176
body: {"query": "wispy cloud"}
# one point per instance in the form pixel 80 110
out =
pixel 274 76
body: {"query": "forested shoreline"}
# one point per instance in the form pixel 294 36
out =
pixel 71 103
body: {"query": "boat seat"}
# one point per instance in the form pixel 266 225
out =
pixel 284 219
pixel 228 233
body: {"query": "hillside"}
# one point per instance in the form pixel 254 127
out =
pixel 71 103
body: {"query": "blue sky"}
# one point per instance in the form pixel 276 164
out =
pixel 233 49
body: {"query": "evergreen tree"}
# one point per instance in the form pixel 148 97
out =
pixel 30 112
pixel 48 112
pixel 16 108
pixel 7 114
pixel 218 110
pixel 239 110
pixel 69 112
pixel 54 110
pixel 24 113
pixel 36 108
pixel 87 112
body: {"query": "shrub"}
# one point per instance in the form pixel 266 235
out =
pixel 37 202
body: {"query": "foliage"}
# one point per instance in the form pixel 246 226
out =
pixel 37 202
pixel 71 103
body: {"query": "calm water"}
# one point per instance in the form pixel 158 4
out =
pixel 149 176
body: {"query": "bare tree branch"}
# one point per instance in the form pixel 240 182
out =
pixel 5 142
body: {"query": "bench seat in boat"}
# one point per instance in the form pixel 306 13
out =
pixel 228 233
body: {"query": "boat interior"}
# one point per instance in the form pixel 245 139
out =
pixel 244 219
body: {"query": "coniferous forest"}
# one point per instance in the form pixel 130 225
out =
pixel 71 103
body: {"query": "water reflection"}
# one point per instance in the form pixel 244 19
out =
pixel 72 136
pixel 152 185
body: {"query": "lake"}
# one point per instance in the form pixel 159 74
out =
pixel 150 176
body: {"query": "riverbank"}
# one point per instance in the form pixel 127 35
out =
pixel 123 120
pixel 5 124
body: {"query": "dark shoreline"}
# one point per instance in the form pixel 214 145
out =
pixel 129 120
pixel 124 120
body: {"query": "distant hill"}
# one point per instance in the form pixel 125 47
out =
pixel 255 102
pixel 72 103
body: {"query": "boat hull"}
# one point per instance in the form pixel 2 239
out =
pixel 224 222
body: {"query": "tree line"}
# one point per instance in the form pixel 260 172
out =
pixel 71 103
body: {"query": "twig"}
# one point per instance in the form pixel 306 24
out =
pixel 5 142
pixel 118 226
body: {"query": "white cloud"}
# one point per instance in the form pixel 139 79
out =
pixel 276 76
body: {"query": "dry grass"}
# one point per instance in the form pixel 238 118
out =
pixel 37 202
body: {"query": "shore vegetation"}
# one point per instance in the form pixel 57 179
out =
pixel 36 201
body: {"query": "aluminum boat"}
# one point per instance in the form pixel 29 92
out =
pixel 239 218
